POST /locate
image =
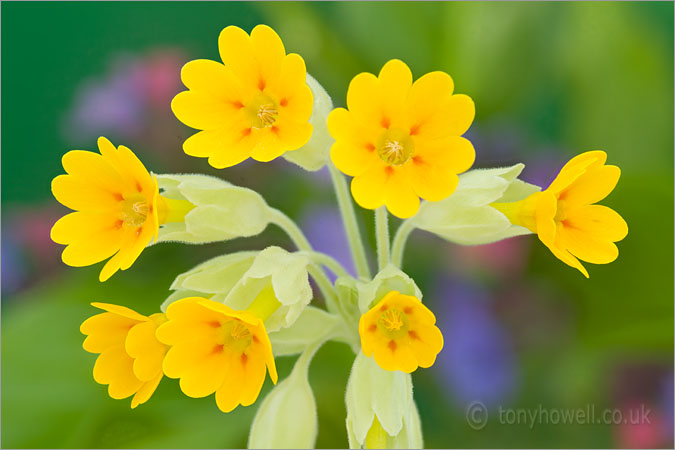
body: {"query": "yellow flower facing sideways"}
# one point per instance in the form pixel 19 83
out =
pixel 565 216
pixel 130 360
pixel 256 104
pixel 402 140
pixel 216 349
pixel 117 206
pixel 400 333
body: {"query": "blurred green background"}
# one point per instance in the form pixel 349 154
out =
pixel 550 80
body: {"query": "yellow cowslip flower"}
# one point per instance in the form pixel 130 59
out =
pixel 399 332
pixel 130 360
pixel 402 140
pixel 565 216
pixel 257 104
pixel 216 349
pixel 117 206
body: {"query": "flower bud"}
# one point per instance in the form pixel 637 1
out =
pixel 466 217
pixel 210 209
pixel 287 417
pixel 381 412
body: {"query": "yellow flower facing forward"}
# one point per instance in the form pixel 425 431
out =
pixel 216 349
pixel 257 104
pixel 130 356
pixel 117 206
pixel 402 140
pixel 399 332
pixel 565 216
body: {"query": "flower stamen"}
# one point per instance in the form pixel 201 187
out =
pixel 395 147
pixel 393 323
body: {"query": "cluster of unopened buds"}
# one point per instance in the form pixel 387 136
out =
pixel 228 318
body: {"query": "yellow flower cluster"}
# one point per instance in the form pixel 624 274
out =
pixel 400 140
pixel 207 345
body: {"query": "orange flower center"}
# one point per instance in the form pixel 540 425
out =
pixel 135 210
pixel 263 111
pixel 395 147
pixel 235 336
pixel 393 323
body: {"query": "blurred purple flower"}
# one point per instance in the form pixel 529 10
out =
pixel 117 103
pixel 477 359
pixel 323 227
pixel 14 271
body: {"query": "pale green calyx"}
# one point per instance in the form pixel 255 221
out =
pixel 466 216
pixel 221 211
pixel 389 279
pixel 381 411
pixel 287 417
pixel 272 283
pixel 312 324
pixel 315 154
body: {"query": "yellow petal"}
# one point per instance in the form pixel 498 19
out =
pixel 576 167
pixel 588 247
pixel 92 168
pixel 114 367
pixel 352 159
pixel 183 356
pixel 120 311
pixel 591 187
pixel 599 221
pixel 285 135
pixel 236 51
pixel 353 152
pixel 229 393
pixel 225 146
pixel 546 207
pixel 80 226
pixel 427 97
pixel 148 353
pixel 80 195
pixel 452 152
pixel 214 79
pixel 426 343
pixel 461 111
pixel 291 90
pixel 369 188
pixel 208 373
pixel 254 369
pixel 115 263
pixel 429 181
pixel 363 100
pixel 202 111
pixel 563 255
pixel 146 390
pixel 268 51
pixel 400 197
pixel 104 331
pixel 264 348
pixel 97 247
pixel 395 81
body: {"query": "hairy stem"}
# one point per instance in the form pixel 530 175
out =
pixel 329 262
pixel 382 235
pixel 349 221
pixel 400 239
pixel 301 242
